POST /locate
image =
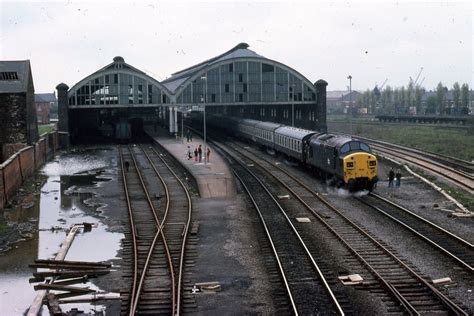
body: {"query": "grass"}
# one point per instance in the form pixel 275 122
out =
pixel 3 227
pixel 446 140
pixel 45 128
pixel 467 200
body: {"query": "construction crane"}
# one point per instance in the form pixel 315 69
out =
pixel 417 77
pixel 421 82
pixel 378 89
pixel 383 84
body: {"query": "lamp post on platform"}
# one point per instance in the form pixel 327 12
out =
pixel 204 99
pixel 350 101
pixel 292 90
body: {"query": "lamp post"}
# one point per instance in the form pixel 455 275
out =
pixel 350 101
pixel 293 104
pixel 182 126
pixel 204 80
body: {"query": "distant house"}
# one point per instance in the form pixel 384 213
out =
pixel 18 122
pixel 44 103
pixel 339 101
pixel 449 105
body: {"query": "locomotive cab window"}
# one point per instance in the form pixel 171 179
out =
pixel 354 146
pixel 365 147
pixel 344 148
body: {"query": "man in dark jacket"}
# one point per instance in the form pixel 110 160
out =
pixel 398 178
pixel 391 176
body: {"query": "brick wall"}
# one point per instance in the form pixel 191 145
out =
pixel 23 163
pixel 27 161
pixel 42 112
pixel 13 118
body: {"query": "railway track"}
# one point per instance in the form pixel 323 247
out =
pixel 455 163
pixel 459 172
pixel 158 233
pixel 404 284
pixel 455 247
pixel 308 291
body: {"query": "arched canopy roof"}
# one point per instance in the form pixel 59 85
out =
pixel 118 83
pixel 120 66
pixel 181 79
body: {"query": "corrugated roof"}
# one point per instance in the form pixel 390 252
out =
pixel 178 78
pixel 22 70
pixel 45 97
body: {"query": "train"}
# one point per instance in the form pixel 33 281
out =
pixel 343 161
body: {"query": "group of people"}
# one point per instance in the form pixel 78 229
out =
pixel 198 153
pixel 394 176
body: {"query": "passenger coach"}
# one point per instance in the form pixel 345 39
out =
pixel 291 141
pixel 260 132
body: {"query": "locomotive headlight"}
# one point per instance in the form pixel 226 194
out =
pixel 350 165
pixel 372 163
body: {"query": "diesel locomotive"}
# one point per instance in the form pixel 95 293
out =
pixel 342 160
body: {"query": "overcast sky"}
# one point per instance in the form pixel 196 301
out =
pixel 372 41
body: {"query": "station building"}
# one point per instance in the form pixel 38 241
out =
pixel 18 126
pixel 239 82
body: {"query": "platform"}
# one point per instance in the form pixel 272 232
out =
pixel 214 178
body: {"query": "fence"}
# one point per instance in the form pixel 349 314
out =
pixel 21 165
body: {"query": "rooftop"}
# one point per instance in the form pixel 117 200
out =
pixel 14 76
pixel 45 97
pixel 178 78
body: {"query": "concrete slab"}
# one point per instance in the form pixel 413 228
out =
pixel 214 178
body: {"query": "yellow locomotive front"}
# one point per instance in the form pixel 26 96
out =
pixel 360 171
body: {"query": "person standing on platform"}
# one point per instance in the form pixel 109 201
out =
pixel 391 176
pixel 190 156
pixel 208 154
pixel 398 178
pixel 196 154
pixel 188 135
pixel 200 153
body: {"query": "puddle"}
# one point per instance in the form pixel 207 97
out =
pixel 69 196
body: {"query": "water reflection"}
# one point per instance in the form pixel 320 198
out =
pixel 67 197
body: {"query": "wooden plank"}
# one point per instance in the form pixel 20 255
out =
pixel 66 288
pixel 69 274
pixel 72 280
pixel 65 267
pixel 92 298
pixel 53 305
pixel 61 296
pixel 74 263
pixel 35 307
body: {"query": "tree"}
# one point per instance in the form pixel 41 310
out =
pixel 440 93
pixel 418 95
pixel 397 100
pixel 465 97
pixel 403 100
pixel 456 96
pixel 386 99
pixel 410 94
pixel 431 104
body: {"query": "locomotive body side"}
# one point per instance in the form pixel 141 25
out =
pixel 347 161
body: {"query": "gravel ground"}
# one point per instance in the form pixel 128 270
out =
pixel 420 198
